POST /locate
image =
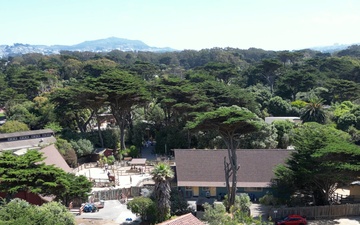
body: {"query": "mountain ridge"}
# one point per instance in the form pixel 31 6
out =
pixel 114 43
pixel 99 45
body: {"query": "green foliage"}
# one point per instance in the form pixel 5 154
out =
pixel 342 90
pixel 314 111
pixel 298 104
pixel 123 91
pixel 162 174
pixel 110 160
pixel 283 187
pixel 43 109
pixel 325 157
pixel 78 187
pixel 142 206
pixel 22 113
pixel 54 126
pixel 179 205
pixel 13 126
pixel 264 138
pixel 341 108
pixel 133 151
pixel 279 107
pixel 67 151
pixel 242 203
pixel 231 123
pixel 171 137
pixel 262 95
pixel 346 120
pixel 82 147
pixel 28 173
pixel 20 212
pixel 235 119
pixel 268 199
pixel 283 129
pixel 216 215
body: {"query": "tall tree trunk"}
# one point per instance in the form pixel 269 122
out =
pixel 99 130
pixel 120 117
pixel 122 135
pixel 231 169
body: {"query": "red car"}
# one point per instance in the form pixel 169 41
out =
pixel 292 220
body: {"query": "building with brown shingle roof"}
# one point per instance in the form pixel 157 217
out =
pixel 200 173
pixel 24 140
pixel 187 219
pixel 53 157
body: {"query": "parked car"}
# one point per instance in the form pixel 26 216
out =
pixel 292 220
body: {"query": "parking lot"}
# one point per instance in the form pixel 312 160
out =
pixel 113 213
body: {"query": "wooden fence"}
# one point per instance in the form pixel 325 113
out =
pixel 117 194
pixel 111 194
pixel 85 166
pixel 316 212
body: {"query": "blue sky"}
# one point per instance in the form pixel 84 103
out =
pixel 183 24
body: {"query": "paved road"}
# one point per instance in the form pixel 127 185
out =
pixel 113 211
pixel 257 210
pixel 147 152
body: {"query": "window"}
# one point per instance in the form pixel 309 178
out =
pixel 253 189
pixel 188 188
pixel 205 189
pixel 24 137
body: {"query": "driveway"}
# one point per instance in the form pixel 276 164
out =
pixel 113 213
pixel 342 221
pixel 260 210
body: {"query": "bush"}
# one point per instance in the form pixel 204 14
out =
pixel 141 205
pixel 67 151
pixel 82 147
pixel 19 211
pixel 13 126
pixel 268 199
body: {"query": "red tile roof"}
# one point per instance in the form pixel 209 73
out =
pixel 205 168
pixel 187 219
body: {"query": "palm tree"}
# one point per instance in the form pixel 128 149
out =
pixel 314 111
pixel 162 174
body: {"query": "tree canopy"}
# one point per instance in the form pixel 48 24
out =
pixel 324 159
pixel 231 123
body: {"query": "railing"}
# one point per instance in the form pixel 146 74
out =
pixel 316 212
pixel 111 194
pixel 85 166
pixel 117 194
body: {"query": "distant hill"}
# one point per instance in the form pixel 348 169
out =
pixel 114 43
pixel 332 48
pixel 101 45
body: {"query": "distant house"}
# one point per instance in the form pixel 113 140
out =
pixel 187 219
pixel 95 156
pixel 200 173
pixel 34 139
pixel 34 199
pixel 294 119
